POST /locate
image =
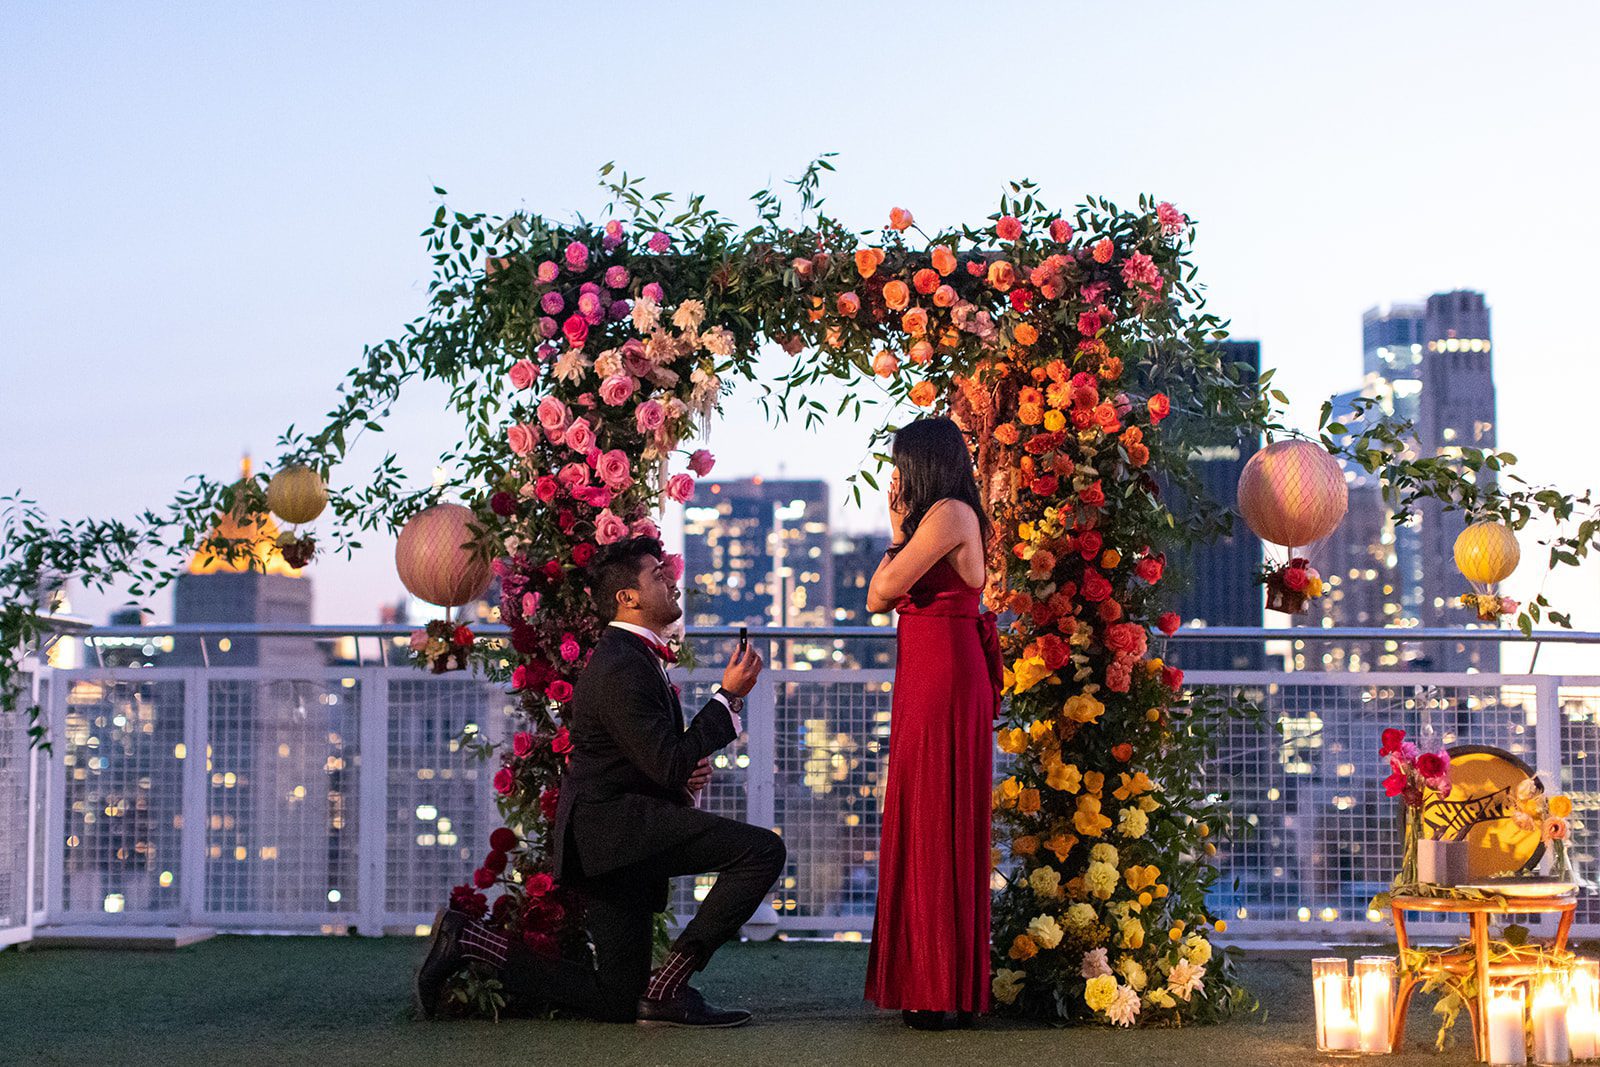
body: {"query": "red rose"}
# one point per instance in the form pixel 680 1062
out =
pixel 504 906
pixel 1046 485
pixel 495 861
pixel 503 504
pixel 1110 611
pixel 539 884
pixel 576 329
pixel 466 899
pixel 522 740
pixel 559 691
pixel 1095 587
pixel 1391 742
pixel 504 781
pixel 561 742
pixel 549 800
pixel 462 636
pixel 1054 651
pixel 546 488
pixel 1169 623
pixel 1159 406
pixel 1172 678
pixel 1150 568
pixel 541 944
pixel 1090 542
pixel 483 878
pixel 1125 639
pixel 1123 752
pixel 1295 579
pixel 1430 765
pixel 582 553
pixel 504 839
pixel 1094 495
pixel 552 570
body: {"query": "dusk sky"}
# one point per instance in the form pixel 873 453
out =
pixel 209 209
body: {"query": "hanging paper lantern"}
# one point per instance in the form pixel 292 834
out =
pixel 1292 493
pixel 297 494
pixel 435 558
pixel 1487 553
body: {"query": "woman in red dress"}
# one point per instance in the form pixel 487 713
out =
pixel 930 937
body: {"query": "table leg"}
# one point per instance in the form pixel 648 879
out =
pixel 1408 983
pixel 1564 927
pixel 1480 948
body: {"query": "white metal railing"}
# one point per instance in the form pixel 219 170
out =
pixel 326 798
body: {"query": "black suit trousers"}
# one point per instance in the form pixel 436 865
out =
pixel 620 912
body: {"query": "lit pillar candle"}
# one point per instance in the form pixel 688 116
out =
pixel 1329 982
pixel 1507 1044
pixel 1583 1009
pixel 1550 1043
pixel 1375 982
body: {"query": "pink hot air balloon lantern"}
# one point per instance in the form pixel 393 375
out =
pixel 1292 493
pixel 435 559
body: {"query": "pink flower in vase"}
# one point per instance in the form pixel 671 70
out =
pixel 418 640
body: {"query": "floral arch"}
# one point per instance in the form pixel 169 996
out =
pixel 1076 352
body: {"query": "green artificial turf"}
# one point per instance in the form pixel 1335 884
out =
pixel 330 1001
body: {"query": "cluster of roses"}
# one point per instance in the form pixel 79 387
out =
pixel 1411 770
pixel 1489 606
pixel 443 645
pixel 533 908
pixel 1291 584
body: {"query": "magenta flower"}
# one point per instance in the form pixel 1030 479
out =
pixel 577 255
pixel 552 303
pixel 609 528
pixel 616 276
pixel 576 329
pixel 659 242
pixel 548 272
pixel 654 292
pixel 569 648
pixel 702 462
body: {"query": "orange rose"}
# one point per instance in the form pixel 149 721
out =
pixel 1104 250
pixel 867 261
pixel 1006 434
pixel 925 280
pixel 944 296
pixel 897 294
pixel 1138 455
pixel 1025 334
pixel 1023 948
pixel 923 394
pixel 921 353
pixel 835 337
pixel 815 314
pixel 884 364
pixel 944 260
pixel 1030 414
pixel 1002 275
pixel 848 304
pixel 1111 368
pixel 915 321
pixel 900 218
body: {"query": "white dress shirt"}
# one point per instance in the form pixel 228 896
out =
pixel 656 639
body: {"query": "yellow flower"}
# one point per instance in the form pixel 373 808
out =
pixel 1028 673
pixel 1314 588
pixel 1087 820
pixel 1023 948
pixel 1197 950
pixel 1133 973
pixel 1133 823
pixel 1101 880
pixel 1010 789
pixel 1560 806
pixel 1084 708
pixel 1176 933
pixel 1132 785
pixel 1094 782
pixel 1130 934
pixel 1007 984
pixel 1054 421
pixel 1081 915
pixel 1045 931
pixel 1161 998
pixel 1025 531
pixel 1046 883
pixel 1013 740
pixel 1040 730
pixel 1105 853
pixel 1221 925
pixel 1099 992
pixel 1152 715
pixel 1141 877
pixel 1145 900
pixel 1063 777
pixel 1161 892
pixel 1061 845
pixel 1147 804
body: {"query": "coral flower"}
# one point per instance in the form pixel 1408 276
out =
pixel 1008 228
pixel 868 261
pixel 900 218
pixel 923 394
pixel 944 260
pixel 1103 250
pixel 915 321
pixel 884 364
pixel 848 304
pixel 897 294
pixel 925 280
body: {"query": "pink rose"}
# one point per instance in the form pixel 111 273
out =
pixel 614 229
pixel 521 743
pixel 617 389
pixel 659 242
pixel 574 475
pixel 419 640
pixel 577 255
pixel 576 329
pixel 596 496
pixel 644 528
pixel 702 462
pixel 615 469
pixel 548 272
pixel 884 364
pixel 523 373
pixel 1008 228
pixel 635 358
pixel 649 416
pixel 680 487
pixel 580 436
pixel 616 276
pixel 530 605
pixel 553 414
pixel 504 783
pixel 609 528
pixel 521 438
pixel 672 566
pixel 569 648
pixel 1060 231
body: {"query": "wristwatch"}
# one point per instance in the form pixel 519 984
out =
pixel 735 703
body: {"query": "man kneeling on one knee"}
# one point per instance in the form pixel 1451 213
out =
pixel 627 824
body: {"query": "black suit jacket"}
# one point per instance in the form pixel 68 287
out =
pixel 624 797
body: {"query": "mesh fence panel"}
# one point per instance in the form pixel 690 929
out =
pixel 14 803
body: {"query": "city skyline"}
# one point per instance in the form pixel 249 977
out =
pixel 246 220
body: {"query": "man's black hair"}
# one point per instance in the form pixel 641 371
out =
pixel 616 567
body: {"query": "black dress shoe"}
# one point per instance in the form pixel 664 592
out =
pixel 443 960
pixel 688 1008
pixel 967 1020
pixel 923 1020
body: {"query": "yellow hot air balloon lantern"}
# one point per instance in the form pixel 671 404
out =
pixel 1486 554
pixel 297 494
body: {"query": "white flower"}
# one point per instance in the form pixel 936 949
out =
pixel 646 313
pixel 1045 882
pixel 1046 931
pixel 608 363
pixel 1007 984
pixel 1185 980
pixel 689 316
pixel 1081 915
pixel 1100 879
pixel 570 365
pixel 1094 963
pixel 1125 1009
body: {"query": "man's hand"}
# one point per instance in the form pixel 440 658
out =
pixel 742 671
pixel 701 775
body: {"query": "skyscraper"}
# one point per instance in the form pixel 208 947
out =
pixel 757 552
pixel 1217 581
pixel 1430 365
pixel 855 560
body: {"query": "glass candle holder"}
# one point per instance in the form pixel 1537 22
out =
pixel 1507 1037
pixel 1337 1003
pixel 1551 1045
pixel 1374 980
pixel 1583 1009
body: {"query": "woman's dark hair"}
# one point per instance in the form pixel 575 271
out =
pixel 615 568
pixel 934 464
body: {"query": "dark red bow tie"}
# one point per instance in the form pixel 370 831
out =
pixel 664 652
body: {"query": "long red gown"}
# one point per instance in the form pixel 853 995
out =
pixel 930 937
